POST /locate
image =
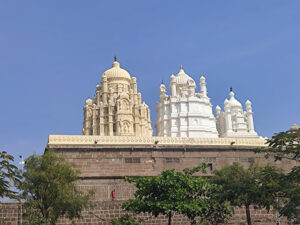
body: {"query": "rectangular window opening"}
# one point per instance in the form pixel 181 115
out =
pixel 246 160
pixel 172 160
pixel 132 160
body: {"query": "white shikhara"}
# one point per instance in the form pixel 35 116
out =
pixel 186 113
pixel 234 121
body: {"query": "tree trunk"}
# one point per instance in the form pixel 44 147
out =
pixel 170 218
pixel 248 215
pixel 193 222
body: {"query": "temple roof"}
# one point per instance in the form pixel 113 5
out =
pixel 233 101
pixel 182 77
pixel 116 72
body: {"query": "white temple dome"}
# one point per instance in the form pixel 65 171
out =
pixel 182 77
pixel 233 102
pixel 116 72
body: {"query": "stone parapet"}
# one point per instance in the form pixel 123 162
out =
pixel 84 140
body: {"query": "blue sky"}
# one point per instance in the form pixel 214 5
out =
pixel 52 55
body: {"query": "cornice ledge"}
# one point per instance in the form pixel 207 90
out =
pixel 77 140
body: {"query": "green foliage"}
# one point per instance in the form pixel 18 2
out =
pixel 270 181
pixel 9 176
pixel 283 145
pixel 50 191
pixel 238 184
pixel 173 191
pixel 255 186
pixel 286 145
pixel 125 220
pixel 218 213
pixel 36 218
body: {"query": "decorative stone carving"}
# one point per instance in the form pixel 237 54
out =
pixel 73 140
pixel 117 107
pixel 185 113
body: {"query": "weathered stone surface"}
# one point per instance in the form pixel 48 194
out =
pixel 102 212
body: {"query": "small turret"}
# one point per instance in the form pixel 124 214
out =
pixel 162 89
pixel 203 90
pixel 173 85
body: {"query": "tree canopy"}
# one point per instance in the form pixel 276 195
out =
pixel 283 145
pixel 175 192
pixel 50 190
pixel 254 186
pixel 286 145
pixel 9 176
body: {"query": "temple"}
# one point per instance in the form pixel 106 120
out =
pixel 117 108
pixel 185 113
pixel 118 142
pixel 233 121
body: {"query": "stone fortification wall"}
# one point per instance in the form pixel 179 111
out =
pixel 105 161
pixel 114 162
pixel 103 211
pixel 103 169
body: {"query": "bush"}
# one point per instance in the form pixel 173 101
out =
pixel 125 220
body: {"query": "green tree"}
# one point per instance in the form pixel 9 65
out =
pixel 219 212
pixel 50 191
pixel 173 192
pixel 125 220
pixel 286 145
pixel 248 187
pixel 9 176
pixel 283 145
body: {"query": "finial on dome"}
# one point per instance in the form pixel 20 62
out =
pixel 231 93
pixel 181 67
pixel 115 63
pixel 162 81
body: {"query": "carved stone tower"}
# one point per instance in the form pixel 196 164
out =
pixel 185 113
pixel 117 108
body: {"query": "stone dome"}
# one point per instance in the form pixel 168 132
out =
pixel 233 102
pixel 182 78
pixel 116 72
